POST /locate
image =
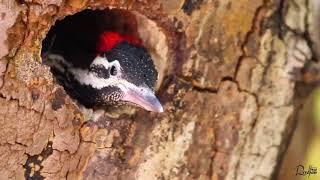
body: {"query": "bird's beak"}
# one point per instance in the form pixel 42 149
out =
pixel 143 97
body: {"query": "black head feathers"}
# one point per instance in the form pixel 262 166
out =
pixel 136 63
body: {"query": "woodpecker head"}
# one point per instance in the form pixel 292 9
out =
pixel 122 73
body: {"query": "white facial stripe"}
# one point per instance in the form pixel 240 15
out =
pixel 55 60
pixel 57 57
pixel 87 78
pixel 101 61
pixel 104 62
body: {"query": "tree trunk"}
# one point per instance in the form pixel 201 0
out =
pixel 227 89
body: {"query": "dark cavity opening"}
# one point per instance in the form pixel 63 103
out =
pixel 74 39
pixel 80 32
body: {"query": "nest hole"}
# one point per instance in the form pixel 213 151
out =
pixel 84 28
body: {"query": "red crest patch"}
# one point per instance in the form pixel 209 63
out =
pixel 108 40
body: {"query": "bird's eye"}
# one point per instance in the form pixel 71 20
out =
pixel 113 71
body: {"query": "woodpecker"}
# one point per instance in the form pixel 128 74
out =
pixel 120 71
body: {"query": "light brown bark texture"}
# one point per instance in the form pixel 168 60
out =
pixel 227 92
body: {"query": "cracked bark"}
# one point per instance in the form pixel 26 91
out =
pixel 228 95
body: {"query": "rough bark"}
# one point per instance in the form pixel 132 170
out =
pixel 227 90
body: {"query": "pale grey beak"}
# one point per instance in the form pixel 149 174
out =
pixel 143 97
